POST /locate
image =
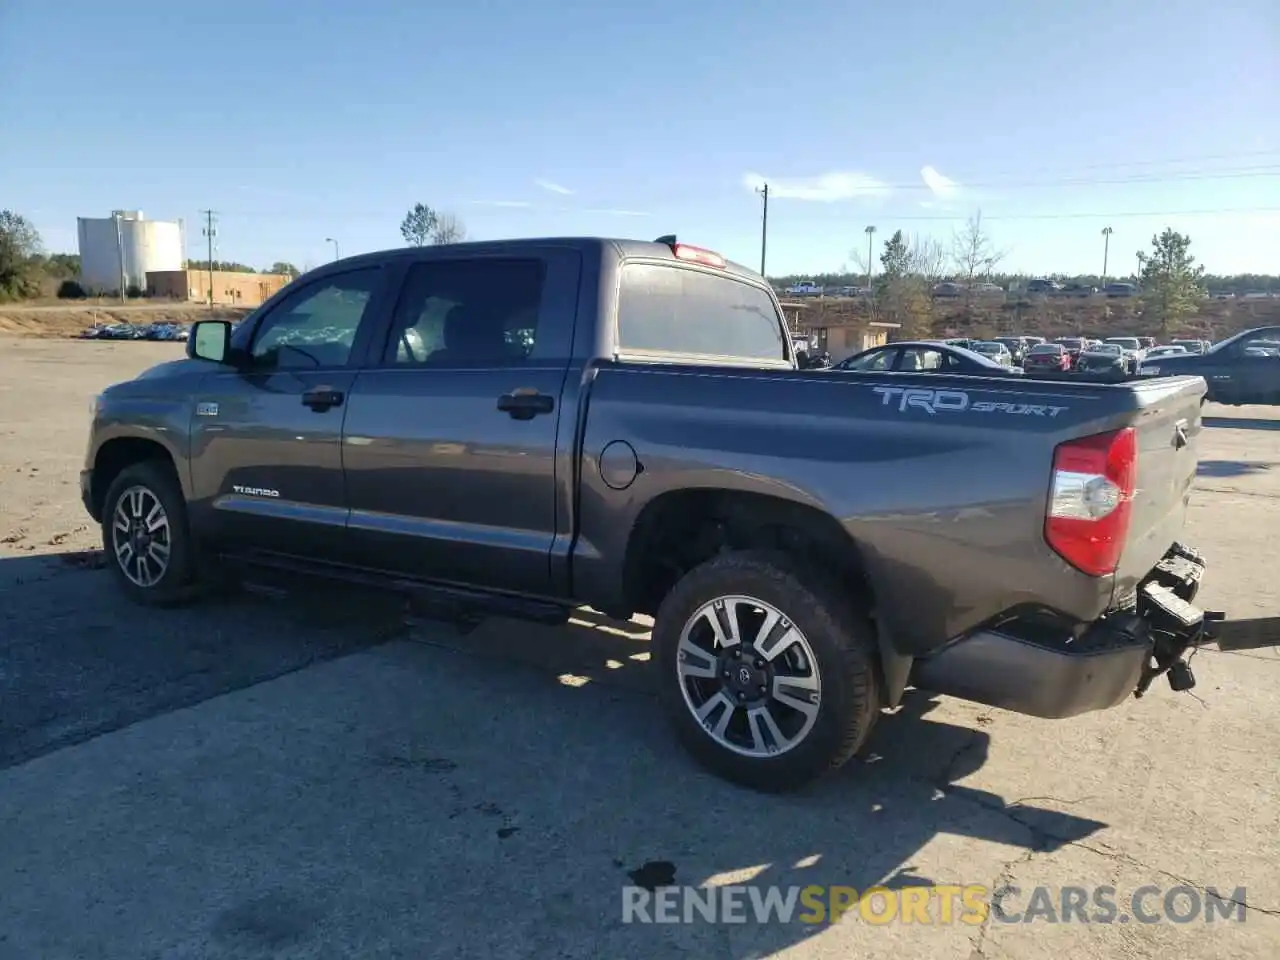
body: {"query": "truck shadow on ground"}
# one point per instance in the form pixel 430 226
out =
pixel 76 660
pixel 1240 423
pixel 1223 469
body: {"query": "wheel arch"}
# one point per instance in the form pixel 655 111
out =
pixel 680 529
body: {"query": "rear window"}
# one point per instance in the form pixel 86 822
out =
pixel 1046 348
pixel 678 310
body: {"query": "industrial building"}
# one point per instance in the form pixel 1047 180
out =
pixel 117 252
pixel 221 287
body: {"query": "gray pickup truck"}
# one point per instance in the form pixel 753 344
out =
pixel 523 427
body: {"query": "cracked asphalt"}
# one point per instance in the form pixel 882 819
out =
pixel 309 777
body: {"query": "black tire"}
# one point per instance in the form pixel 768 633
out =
pixel 176 584
pixel 843 643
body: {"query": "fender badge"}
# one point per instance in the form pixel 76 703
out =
pixel 206 409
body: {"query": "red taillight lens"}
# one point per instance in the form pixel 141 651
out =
pixel 708 258
pixel 1091 501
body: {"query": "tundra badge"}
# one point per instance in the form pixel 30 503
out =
pixel 206 409
pixel 255 491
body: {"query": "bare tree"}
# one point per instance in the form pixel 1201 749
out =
pixel 974 256
pixel 448 228
pixel 972 252
pixel 927 259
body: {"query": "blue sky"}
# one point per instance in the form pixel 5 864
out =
pixel 328 118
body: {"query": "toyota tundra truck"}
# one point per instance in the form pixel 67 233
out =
pixel 523 427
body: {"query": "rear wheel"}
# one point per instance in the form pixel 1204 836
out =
pixel 766 671
pixel 144 534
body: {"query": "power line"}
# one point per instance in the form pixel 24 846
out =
pixel 1170 161
pixel 1103 216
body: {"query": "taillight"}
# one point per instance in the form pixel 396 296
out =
pixel 1091 500
pixel 708 258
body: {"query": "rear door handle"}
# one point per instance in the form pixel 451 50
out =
pixel 322 398
pixel 525 403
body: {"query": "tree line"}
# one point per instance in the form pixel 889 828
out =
pixel 1170 282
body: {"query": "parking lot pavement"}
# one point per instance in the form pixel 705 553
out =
pixel 439 795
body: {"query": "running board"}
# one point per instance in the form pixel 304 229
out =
pixel 436 601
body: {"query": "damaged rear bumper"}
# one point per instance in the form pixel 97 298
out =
pixel 1035 670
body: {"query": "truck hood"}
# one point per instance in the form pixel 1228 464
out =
pixel 176 368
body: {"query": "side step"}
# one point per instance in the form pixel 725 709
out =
pixel 433 601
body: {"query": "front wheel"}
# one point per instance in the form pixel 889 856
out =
pixel 766 671
pixel 144 534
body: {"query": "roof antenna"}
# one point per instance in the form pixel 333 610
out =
pixel 669 240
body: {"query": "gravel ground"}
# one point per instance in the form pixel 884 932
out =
pixel 309 778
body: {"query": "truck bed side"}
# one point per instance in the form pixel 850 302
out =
pixel 941 482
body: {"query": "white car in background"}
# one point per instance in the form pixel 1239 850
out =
pixel 1169 350
pixel 804 288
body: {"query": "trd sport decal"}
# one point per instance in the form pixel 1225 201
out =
pixel 934 402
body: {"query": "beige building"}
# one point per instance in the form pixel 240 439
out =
pixel 229 289
pixel 841 336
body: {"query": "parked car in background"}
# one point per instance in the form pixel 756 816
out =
pixel 1017 347
pixel 1046 358
pixel 922 356
pixel 804 288
pixel 948 290
pixel 994 351
pixel 1147 342
pixel 1131 346
pixel 1079 290
pixel 1120 290
pixel 1073 346
pixel 1042 287
pixel 1191 346
pixel 1241 369
pixel 1105 359
pixel 987 290
pixel 1169 350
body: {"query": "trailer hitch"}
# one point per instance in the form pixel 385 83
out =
pixel 1175 623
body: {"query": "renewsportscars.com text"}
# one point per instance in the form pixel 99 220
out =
pixel 932 905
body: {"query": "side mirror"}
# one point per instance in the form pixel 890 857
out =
pixel 210 340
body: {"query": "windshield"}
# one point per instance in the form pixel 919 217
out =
pixel 989 347
pixel 1128 343
pixel 1112 349
pixel 1265 333
pixel 1044 349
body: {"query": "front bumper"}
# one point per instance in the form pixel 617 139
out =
pixel 1042 672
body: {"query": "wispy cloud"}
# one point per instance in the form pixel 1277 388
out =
pixel 825 188
pixel 944 188
pixel 513 204
pixel 554 187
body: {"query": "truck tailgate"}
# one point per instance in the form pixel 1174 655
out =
pixel 1168 425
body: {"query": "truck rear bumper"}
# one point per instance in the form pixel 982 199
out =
pixel 1042 673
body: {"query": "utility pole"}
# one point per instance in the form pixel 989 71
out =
pixel 210 231
pixel 1106 249
pixel 870 232
pixel 336 254
pixel 764 224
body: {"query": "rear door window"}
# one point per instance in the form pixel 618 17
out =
pixel 670 309
pixel 921 359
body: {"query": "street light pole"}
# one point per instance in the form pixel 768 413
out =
pixel 870 232
pixel 336 255
pixel 1106 249
pixel 764 224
